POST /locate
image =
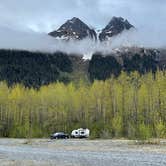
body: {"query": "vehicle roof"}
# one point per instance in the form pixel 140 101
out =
pixel 59 133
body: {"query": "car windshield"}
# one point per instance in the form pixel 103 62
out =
pixel 60 133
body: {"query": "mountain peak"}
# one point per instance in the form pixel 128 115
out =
pixel 74 29
pixel 114 18
pixel 74 19
pixel 116 26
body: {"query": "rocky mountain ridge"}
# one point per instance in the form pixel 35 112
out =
pixel 116 26
pixel 75 29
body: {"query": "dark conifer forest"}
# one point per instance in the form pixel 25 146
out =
pixel 34 69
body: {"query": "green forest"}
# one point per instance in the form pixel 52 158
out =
pixel 127 106
pixel 35 69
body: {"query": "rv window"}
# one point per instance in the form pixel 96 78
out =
pixel 82 132
pixel 76 132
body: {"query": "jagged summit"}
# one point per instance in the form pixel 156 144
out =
pixel 114 27
pixel 74 29
pixel 74 20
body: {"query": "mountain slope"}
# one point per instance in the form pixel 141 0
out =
pixel 33 69
pixel 74 29
pixel 116 26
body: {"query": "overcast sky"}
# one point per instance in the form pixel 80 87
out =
pixel 46 15
pixel 25 23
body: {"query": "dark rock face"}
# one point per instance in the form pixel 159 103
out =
pixel 115 27
pixel 74 29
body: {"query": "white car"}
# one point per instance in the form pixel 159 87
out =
pixel 80 133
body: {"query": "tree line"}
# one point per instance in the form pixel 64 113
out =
pixel 130 106
pixel 35 69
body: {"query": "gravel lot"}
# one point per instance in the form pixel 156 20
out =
pixel 45 152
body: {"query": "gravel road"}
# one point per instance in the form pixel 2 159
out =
pixel 44 152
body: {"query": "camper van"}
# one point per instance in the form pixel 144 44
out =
pixel 80 133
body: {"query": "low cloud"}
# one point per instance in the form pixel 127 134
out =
pixel 32 41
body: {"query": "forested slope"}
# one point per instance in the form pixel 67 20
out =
pixel 114 96
pixel 103 66
pixel 33 69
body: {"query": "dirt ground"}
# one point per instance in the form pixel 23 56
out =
pixel 45 152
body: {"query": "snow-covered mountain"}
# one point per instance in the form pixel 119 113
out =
pixel 74 29
pixel 116 26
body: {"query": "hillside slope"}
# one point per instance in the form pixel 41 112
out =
pixel 34 69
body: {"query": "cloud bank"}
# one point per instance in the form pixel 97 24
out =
pixel 32 41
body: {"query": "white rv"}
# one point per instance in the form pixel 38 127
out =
pixel 80 133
